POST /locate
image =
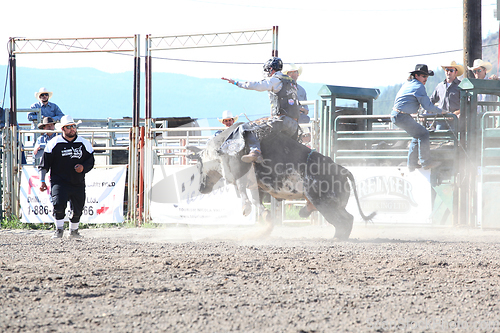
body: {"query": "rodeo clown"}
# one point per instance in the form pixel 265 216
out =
pixel 285 109
pixel 68 157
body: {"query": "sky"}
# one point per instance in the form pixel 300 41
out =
pixel 336 42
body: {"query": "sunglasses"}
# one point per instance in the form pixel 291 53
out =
pixel 450 70
pixel 477 71
pixel 41 95
pixel 227 120
pixel 69 126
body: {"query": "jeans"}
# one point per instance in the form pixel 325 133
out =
pixel 276 124
pixel 61 194
pixel 252 141
pixel 446 124
pixel 420 144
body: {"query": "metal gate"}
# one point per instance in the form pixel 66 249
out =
pixel 489 184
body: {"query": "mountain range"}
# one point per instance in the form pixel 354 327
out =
pixel 87 93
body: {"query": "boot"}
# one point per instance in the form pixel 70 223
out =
pixel 58 233
pixel 254 156
pixel 412 168
pixel 74 234
pixel 431 165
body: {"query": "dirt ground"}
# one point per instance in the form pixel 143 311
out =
pixel 194 279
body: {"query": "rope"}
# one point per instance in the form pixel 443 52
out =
pixel 309 155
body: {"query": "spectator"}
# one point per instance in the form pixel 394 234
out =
pixel 2 117
pixel 47 124
pixel 48 109
pixel 294 72
pixel 410 97
pixel 447 94
pixel 227 119
pixel 480 68
pixel 68 157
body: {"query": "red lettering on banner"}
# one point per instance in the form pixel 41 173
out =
pixel 32 184
pixel 102 210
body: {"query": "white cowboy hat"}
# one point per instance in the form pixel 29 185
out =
pixel 228 115
pixel 65 121
pixel 291 68
pixel 43 91
pixel 480 63
pixel 459 68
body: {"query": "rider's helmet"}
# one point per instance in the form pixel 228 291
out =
pixel 273 63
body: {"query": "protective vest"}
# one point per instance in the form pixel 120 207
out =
pixel 285 101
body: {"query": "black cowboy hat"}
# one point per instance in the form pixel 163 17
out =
pixel 422 69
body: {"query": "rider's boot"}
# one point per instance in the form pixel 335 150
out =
pixel 254 156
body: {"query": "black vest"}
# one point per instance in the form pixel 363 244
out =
pixel 285 101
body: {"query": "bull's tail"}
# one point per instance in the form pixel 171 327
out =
pixel 353 183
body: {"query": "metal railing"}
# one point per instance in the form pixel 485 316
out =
pixel 489 181
pixel 171 150
pixel 387 146
pixel 161 146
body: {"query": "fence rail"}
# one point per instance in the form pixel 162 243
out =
pixel 110 136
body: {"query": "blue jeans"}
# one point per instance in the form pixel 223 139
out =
pixel 277 124
pixel 420 144
pixel 444 125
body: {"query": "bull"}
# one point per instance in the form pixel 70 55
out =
pixel 290 171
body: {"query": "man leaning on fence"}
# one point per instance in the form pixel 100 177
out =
pixel 48 125
pixel 48 109
pixel 480 68
pixel 447 94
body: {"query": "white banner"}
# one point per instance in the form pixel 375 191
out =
pixel 104 193
pixel 175 198
pixel 397 195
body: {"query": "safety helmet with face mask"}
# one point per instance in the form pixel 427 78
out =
pixel 273 63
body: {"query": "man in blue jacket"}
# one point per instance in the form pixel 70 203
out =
pixel 48 109
pixel 410 97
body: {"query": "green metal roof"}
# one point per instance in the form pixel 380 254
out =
pixel 360 94
pixel 481 86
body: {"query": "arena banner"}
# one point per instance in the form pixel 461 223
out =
pixel 104 190
pixel 398 196
pixel 176 198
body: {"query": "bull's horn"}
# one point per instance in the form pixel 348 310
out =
pixel 194 149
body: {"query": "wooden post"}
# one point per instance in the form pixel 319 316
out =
pixel 468 115
pixel 472 34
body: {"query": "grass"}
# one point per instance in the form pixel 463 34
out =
pixel 292 213
pixel 13 222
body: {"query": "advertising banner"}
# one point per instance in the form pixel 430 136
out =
pixel 176 198
pixel 104 190
pixel 398 196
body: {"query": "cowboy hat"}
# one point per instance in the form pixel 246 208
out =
pixel 422 69
pixel 228 115
pixel 291 68
pixel 65 121
pixel 459 68
pixel 46 121
pixel 43 91
pixel 480 63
